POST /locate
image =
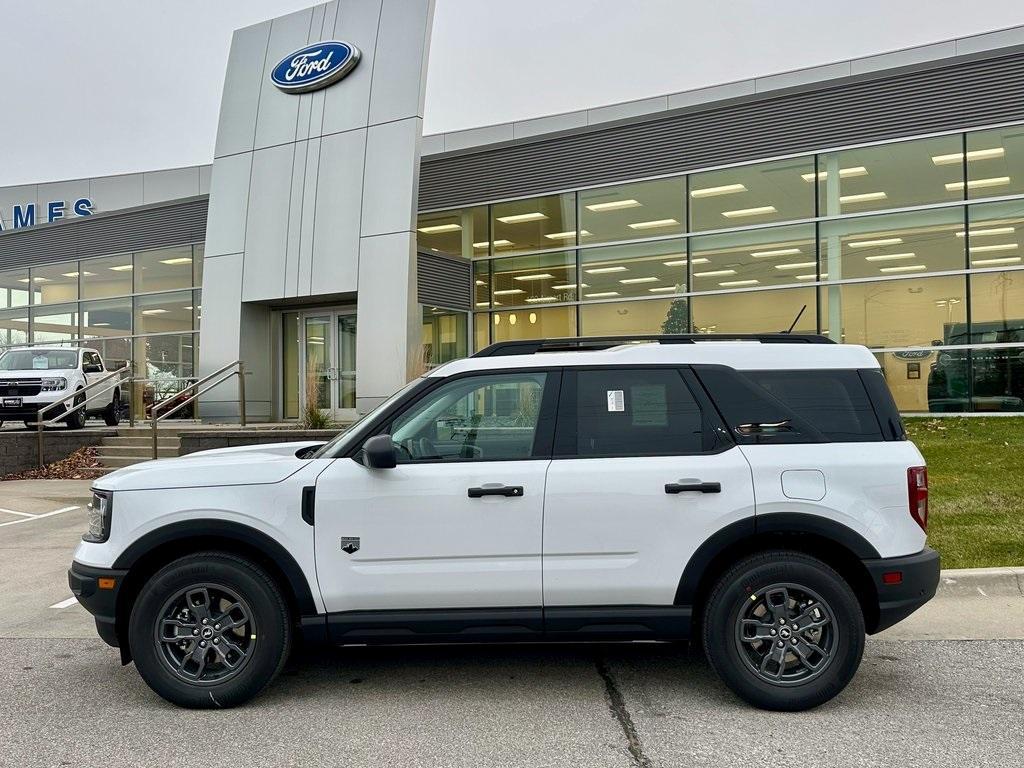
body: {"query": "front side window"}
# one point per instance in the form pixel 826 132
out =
pixel 627 412
pixel 482 418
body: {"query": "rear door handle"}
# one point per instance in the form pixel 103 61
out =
pixel 702 487
pixel 496 490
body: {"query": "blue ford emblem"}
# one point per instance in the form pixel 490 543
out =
pixel 315 66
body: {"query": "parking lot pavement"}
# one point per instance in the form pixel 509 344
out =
pixel 65 700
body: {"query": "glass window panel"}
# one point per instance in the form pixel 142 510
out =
pixel 897 244
pixel 197 309
pixel 163 269
pixel 754 312
pixel 13 326
pixel 55 283
pixel 897 313
pixel 526 280
pixel 533 323
pixel 891 176
pixel 643 269
pixel 109 317
pixel 995 234
pixel 926 380
pixel 14 288
pixel 116 352
pixel 534 224
pixel 169 363
pixel 752 194
pixel 635 317
pixel 164 312
pixel 481 284
pixel 631 211
pixel 56 323
pixel 998 378
pixel 458 233
pixel 997 307
pixel 995 162
pixel 198 253
pixel 481 330
pixel 106 276
pixel 444 335
pixel 760 257
pixel 290 365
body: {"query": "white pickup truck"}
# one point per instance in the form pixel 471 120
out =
pixel 33 377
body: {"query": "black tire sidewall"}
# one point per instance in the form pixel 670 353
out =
pixel 728 599
pixel 270 614
pixel 76 420
pixel 112 413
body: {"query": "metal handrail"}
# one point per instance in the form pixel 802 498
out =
pixel 41 422
pixel 225 373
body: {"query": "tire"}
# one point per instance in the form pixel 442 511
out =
pixel 745 606
pixel 112 413
pixel 257 648
pixel 76 420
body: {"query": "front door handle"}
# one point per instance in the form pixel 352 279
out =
pixel 496 490
pixel 698 486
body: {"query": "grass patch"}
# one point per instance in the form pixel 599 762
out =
pixel 976 488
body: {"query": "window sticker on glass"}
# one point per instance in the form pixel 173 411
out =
pixel 616 401
pixel 649 406
pixel 40 363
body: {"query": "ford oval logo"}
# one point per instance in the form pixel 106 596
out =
pixel 315 66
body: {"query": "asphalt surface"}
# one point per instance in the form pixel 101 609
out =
pixel 918 699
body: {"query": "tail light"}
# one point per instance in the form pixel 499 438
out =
pixel 917 492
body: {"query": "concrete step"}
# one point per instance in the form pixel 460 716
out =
pixel 116 462
pixel 161 441
pixel 137 451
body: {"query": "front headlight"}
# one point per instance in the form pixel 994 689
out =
pixel 55 384
pixel 99 517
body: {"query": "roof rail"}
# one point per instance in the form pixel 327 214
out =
pixel 594 343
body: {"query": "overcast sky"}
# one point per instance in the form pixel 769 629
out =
pixel 94 87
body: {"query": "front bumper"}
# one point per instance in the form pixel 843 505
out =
pixel 84 581
pixel 919 578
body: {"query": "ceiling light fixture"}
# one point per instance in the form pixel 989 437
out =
pixel 891 256
pixel 566 235
pixel 725 189
pixel 988 232
pixel 520 218
pixel 741 212
pixel 121 268
pixel 438 229
pixel 541 299
pixel 990 262
pixel 779 252
pixel 497 244
pixel 974 154
pixel 876 243
pixel 715 273
pixel 656 224
pixel 601 295
pixel 990 248
pixel 905 268
pixel 179 260
pixel 637 280
pixel 796 265
pixel 614 205
pixel 540 276
pixel 509 292
pixel 682 262
pixel 154 311
pixel 568 286
pixel 604 270
pixel 734 283
pixel 995 181
pixel 844 173
pixel 864 197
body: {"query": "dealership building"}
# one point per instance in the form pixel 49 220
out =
pixel 336 250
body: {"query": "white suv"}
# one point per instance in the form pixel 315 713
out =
pixel 758 493
pixel 32 378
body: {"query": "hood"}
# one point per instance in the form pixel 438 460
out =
pixel 244 465
pixel 38 372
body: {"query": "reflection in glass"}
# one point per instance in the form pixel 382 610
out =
pixel 55 283
pixel 458 233
pixel 317 386
pixel 525 280
pixel 290 364
pixel 444 335
pixel 107 276
pixel 347 361
pixel 534 224
pixel 633 211
pixel 995 234
pixel 481 284
pixel 164 312
pixel 997 379
pixel 643 269
pixel 752 194
pixel 14 288
pixel 995 162
pixel 755 312
pixel 55 323
pixel 754 258
pixel 897 313
pixel 635 317
pixel 997 307
pixel 890 176
pixel 481 331
pixel 163 269
pixel 533 323
pixel 109 317
pixel 13 326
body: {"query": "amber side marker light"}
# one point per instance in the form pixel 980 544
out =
pixel 106 583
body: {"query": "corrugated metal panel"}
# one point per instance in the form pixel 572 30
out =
pixel 444 281
pixel 103 234
pixel 934 100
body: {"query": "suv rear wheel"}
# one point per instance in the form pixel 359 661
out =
pixel 784 631
pixel 209 630
pixel 112 413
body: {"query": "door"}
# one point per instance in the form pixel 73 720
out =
pixel 641 476
pixel 328 363
pixel 457 524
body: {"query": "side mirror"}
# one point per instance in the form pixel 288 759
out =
pixel 380 452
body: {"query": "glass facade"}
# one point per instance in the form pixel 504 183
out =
pixel 142 308
pixel 908 247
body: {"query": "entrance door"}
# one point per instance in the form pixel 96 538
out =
pixel 328 362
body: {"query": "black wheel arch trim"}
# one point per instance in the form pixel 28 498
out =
pixel 772 522
pixel 226 529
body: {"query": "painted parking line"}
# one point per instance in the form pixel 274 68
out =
pixel 66 603
pixel 16 512
pixel 39 517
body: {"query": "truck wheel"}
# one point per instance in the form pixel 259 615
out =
pixel 784 631
pixel 76 420
pixel 209 630
pixel 112 413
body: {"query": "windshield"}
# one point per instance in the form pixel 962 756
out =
pixel 38 360
pixel 339 442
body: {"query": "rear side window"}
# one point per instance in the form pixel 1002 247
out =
pixel 628 412
pixel 834 401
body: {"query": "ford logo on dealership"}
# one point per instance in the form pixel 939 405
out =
pixel 315 66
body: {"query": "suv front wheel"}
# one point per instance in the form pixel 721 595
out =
pixel 209 630
pixel 783 630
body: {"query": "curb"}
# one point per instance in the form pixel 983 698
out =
pixel 983 582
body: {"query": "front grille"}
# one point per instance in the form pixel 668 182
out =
pixel 20 387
